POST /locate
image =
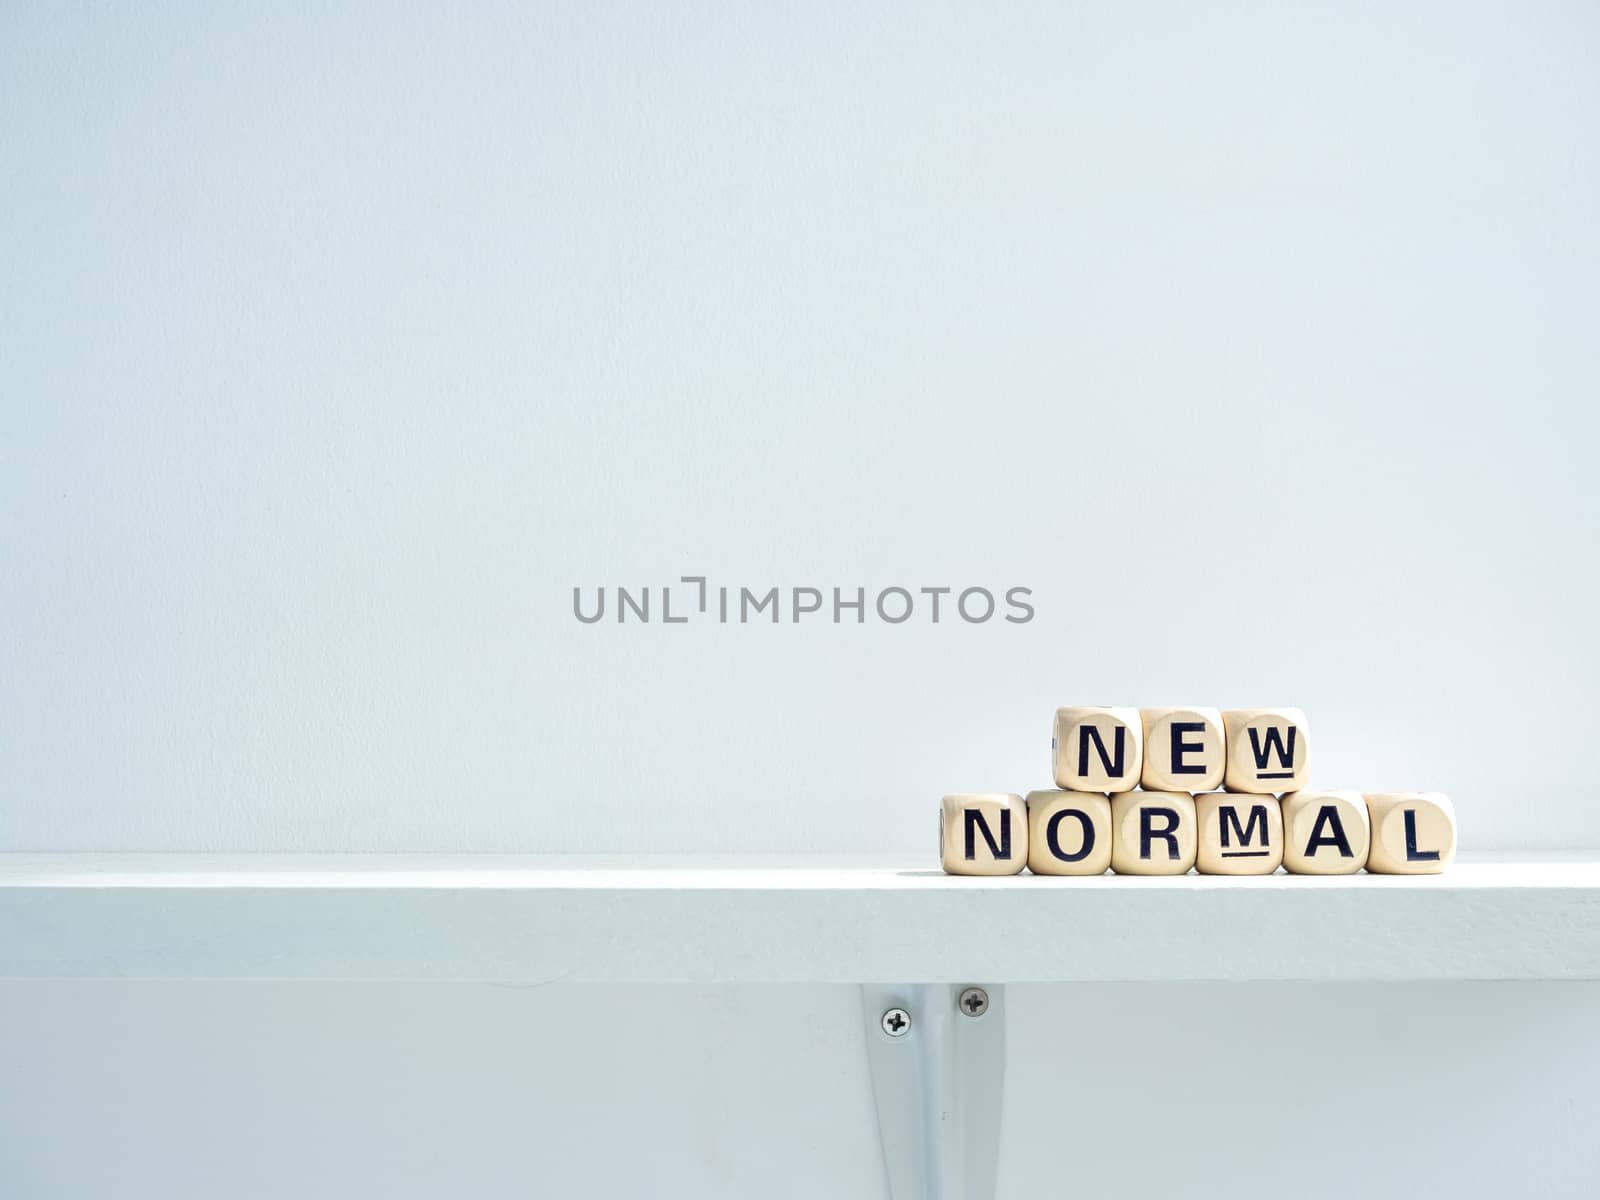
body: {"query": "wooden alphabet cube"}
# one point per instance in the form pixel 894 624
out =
pixel 1325 833
pixel 1413 833
pixel 1268 750
pixel 983 833
pixel 1098 749
pixel 1152 833
pixel 1184 749
pixel 1238 834
pixel 1069 833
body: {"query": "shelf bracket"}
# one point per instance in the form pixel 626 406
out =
pixel 937 1056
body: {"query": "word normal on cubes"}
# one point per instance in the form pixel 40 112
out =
pixel 1137 791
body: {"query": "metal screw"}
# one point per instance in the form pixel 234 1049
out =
pixel 896 1022
pixel 974 1002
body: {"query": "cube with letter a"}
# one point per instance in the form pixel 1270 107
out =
pixel 1325 832
pixel 983 833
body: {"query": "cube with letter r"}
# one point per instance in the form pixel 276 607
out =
pixel 1268 750
pixel 1152 833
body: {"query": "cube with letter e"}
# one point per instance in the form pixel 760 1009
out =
pixel 1184 749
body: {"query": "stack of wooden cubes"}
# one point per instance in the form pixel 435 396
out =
pixel 1137 792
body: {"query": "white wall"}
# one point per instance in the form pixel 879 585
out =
pixel 1258 342
pixel 337 350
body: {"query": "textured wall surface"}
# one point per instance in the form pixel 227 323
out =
pixel 339 349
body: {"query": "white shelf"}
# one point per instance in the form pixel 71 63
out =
pixel 545 919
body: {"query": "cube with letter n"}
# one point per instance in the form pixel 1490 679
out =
pixel 983 833
pixel 1097 749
